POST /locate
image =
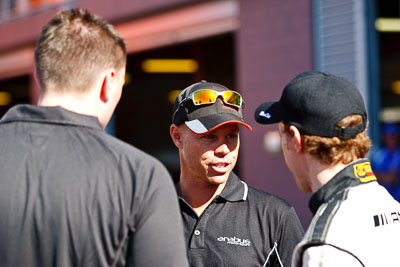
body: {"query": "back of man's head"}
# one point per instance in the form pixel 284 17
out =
pixel 72 50
pixel 328 111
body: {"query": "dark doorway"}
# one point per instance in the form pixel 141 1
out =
pixel 389 57
pixel 14 91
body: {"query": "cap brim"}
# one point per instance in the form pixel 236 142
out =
pixel 268 113
pixel 209 123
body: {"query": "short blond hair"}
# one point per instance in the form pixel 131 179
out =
pixel 74 48
pixel 335 150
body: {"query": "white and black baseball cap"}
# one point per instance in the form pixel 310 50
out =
pixel 315 102
pixel 202 118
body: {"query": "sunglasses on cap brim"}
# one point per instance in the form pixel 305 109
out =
pixel 209 96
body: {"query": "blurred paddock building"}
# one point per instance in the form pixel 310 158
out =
pixel 252 46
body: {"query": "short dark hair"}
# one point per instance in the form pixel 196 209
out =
pixel 73 48
pixel 333 150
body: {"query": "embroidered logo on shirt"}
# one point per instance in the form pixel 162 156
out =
pixel 235 241
pixel 364 172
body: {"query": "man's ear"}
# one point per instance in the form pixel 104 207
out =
pixel 296 137
pixel 176 135
pixel 106 87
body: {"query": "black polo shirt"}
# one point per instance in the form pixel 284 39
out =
pixel 240 227
pixel 73 196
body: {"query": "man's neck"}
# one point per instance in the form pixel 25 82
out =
pixel 198 195
pixel 81 104
pixel 323 173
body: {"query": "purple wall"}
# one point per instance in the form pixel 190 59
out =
pixel 274 44
pixel 24 29
pixel 115 11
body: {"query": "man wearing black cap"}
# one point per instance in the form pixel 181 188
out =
pixel 323 132
pixel 227 223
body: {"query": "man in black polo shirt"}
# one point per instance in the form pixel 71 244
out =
pixel 70 194
pixel 227 223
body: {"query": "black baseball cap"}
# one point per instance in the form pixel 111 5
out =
pixel 204 118
pixel 315 102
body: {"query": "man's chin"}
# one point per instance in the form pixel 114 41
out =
pixel 218 178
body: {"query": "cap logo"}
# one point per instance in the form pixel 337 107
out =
pixel 265 115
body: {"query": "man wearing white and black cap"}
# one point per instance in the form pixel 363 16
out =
pixel 323 132
pixel 227 223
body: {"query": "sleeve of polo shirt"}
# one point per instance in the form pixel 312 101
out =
pixel 291 233
pixel 158 236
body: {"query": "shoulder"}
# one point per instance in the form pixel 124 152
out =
pixel 149 174
pixel 264 198
pixel 126 161
pixel 332 220
pixel 123 150
pixel 272 208
pixel 328 256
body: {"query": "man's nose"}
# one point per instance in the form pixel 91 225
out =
pixel 222 149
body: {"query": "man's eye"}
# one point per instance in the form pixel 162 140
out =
pixel 209 136
pixel 232 136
